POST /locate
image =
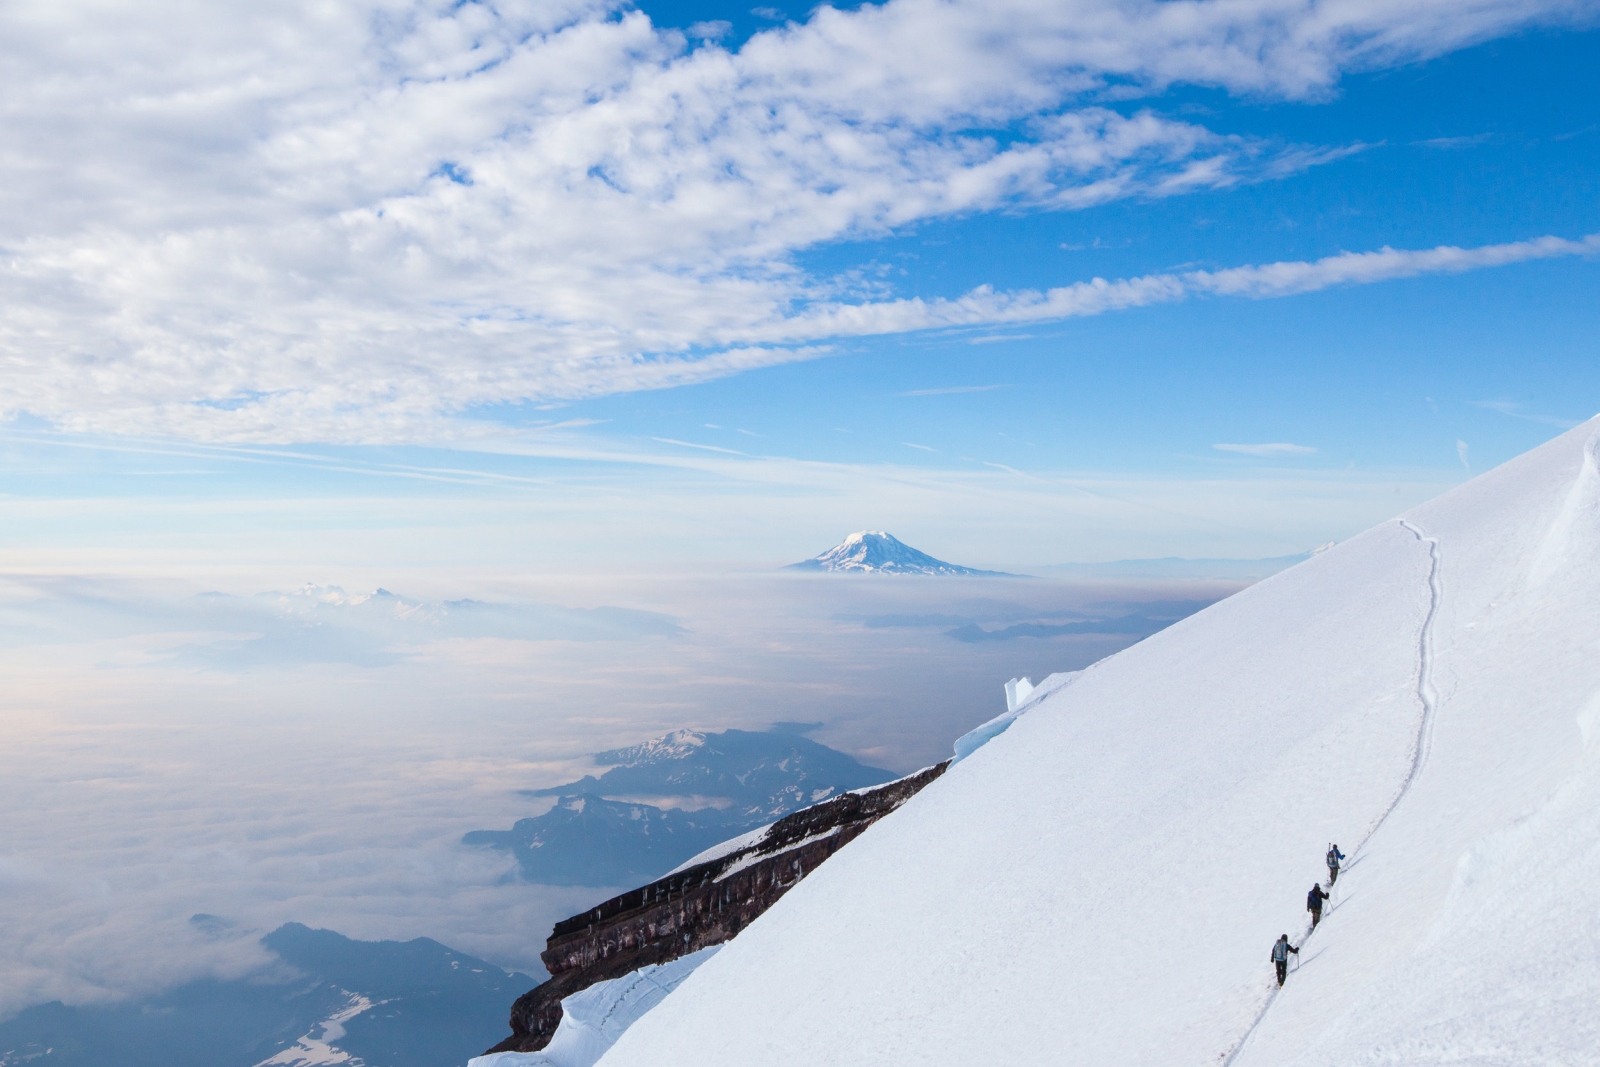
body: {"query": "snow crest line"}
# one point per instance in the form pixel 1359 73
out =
pixel 1428 694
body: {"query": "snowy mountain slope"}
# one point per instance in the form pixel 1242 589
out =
pixel 1101 884
pixel 1469 932
pixel 875 552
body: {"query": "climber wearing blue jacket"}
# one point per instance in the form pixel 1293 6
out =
pixel 1280 956
pixel 1334 857
pixel 1314 901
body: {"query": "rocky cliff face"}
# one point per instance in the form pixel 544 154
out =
pixel 696 907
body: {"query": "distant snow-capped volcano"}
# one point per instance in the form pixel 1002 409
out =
pixel 877 552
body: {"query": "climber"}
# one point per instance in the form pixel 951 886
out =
pixel 1334 856
pixel 1314 901
pixel 1280 956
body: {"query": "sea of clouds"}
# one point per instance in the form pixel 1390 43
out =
pixel 315 754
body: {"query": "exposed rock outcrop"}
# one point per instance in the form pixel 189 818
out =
pixel 696 907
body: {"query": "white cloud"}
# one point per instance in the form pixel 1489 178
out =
pixel 952 390
pixel 1520 411
pixel 711 30
pixel 1462 448
pixel 703 448
pixel 1275 449
pixel 312 222
pixel 1454 142
pixel 985 306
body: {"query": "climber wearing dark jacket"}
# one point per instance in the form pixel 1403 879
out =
pixel 1280 956
pixel 1314 901
pixel 1334 857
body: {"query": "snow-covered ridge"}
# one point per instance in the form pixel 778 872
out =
pixel 320 1048
pixel 755 841
pixel 677 745
pixel 743 842
pixel 1101 884
pixel 875 552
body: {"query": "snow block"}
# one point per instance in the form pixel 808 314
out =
pixel 1021 694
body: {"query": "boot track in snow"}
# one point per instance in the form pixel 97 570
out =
pixel 1428 696
pixel 1426 692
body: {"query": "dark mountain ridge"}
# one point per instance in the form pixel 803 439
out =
pixel 384 1003
pixel 602 831
pixel 588 840
pixel 764 774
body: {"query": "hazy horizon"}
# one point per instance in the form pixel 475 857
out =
pixel 315 756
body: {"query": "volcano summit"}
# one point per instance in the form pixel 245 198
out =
pixel 875 552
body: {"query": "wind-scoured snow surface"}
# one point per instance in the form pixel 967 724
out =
pixel 1102 883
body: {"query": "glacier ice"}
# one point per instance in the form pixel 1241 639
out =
pixel 1021 694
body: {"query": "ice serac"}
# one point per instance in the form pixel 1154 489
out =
pixel 1021 694
pixel 875 552
pixel 1101 883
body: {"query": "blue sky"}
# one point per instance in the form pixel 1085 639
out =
pixel 651 386
pixel 1506 356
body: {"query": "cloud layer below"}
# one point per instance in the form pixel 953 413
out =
pixel 331 785
pixel 345 222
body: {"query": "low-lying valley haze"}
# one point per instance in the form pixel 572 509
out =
pixel 557 533
pixel 316 754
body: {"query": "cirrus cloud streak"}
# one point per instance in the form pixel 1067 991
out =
pixel 985 306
